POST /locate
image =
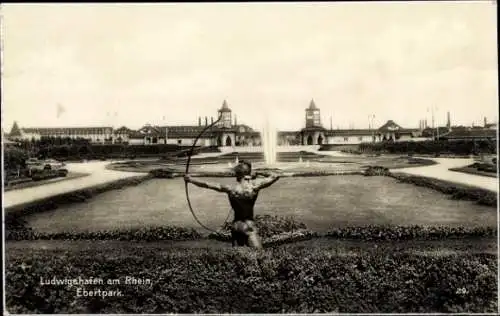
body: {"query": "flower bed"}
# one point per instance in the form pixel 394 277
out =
pixel 291 280
pixel 399 233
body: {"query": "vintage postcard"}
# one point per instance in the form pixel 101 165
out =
pixel 213 158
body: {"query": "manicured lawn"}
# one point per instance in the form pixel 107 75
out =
pixel 319 202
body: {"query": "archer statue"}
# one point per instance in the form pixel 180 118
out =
pixel 242 197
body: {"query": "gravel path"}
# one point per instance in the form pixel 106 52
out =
pixel 98 174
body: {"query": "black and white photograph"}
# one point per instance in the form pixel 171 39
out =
pixel 250 158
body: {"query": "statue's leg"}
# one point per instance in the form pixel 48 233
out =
pixel 233 237
pixel 253 235
pixel 238 234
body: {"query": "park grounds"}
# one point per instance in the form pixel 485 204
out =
pixel 381 261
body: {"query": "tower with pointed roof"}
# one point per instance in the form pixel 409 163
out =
pixel 15 131
pixel 226 113
pixel 313 117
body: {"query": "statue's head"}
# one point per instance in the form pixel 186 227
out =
pixel 243 169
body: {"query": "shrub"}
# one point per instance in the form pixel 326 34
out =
pixel 272 230
pixel 269 225
pixel 376 171
pixel 292 280
pixel 45 174
pixel 163 173
pixel 62 172
pixel 487 168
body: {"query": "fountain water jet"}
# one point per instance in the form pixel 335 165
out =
pixel 269 137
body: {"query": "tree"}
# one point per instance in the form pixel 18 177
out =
pixel 14 160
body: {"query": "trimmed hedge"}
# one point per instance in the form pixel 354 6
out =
pixel 163 173
pixel 133 234
pixel 276 229
pixel 476 169
pixel 457 191
pixel 432 147
pixel 291 280
pixel 400 233
pixel 288 231
pixel 49 174
pixel 272 229
pixel 376 171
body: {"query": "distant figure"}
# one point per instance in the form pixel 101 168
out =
pixel 242 197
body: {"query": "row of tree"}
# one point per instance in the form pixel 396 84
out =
pixel 96 151
pixel 466 147
pixel 52 141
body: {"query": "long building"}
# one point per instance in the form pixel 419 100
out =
pixel 98 134
pixel 228 132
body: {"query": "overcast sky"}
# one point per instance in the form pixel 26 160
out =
pixel 109 64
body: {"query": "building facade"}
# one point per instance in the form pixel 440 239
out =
pixel 228 133
pixel 315 134
pixel 102 134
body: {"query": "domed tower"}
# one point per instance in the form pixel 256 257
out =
pixel 313 117
pixel 225 112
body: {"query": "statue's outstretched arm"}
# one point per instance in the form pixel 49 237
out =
pixel 208 185
pixel 267 182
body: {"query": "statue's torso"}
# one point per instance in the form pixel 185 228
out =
pixel 242 198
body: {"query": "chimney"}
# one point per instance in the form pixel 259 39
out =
pixel 211 120
pixel 199 120
pixel 485 122
pixel 448 120
pixel 425 124
pixel 206 121
pixel 235 120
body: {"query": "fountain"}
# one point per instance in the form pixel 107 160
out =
pixel 300 159
pixel 236 161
